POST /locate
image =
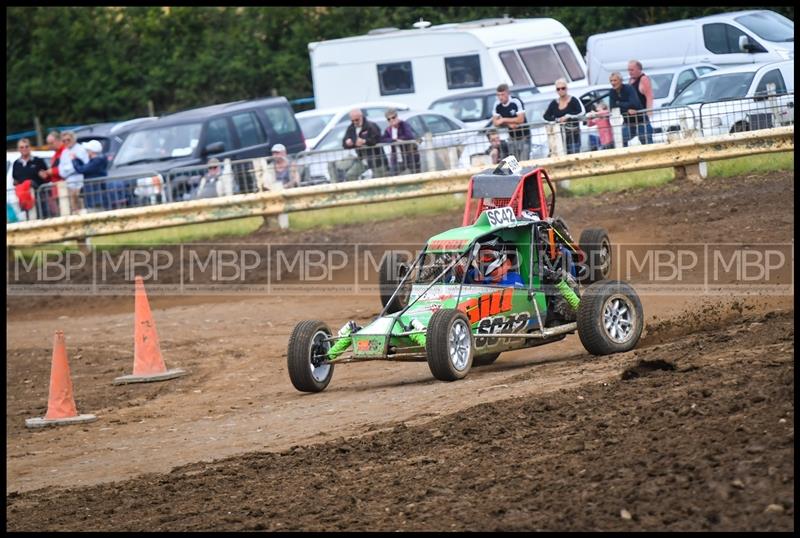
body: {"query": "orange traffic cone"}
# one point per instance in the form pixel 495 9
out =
pixel 148 365
pixel 60 404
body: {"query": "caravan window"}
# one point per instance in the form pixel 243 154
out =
pixel 570 62
pixel 542 64
pixel 395 78
pixel 463 72
pixel 514 67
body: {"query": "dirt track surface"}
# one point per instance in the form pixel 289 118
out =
pixel 699 434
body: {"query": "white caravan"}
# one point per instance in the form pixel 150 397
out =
pixel 420 65
pixel 734 38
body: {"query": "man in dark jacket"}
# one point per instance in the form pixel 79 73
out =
pixel 624 97
pixel 402 136
pixel 363 135
pixel 28 176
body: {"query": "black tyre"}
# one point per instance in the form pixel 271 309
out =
pixel 449 345
pixel 610 318
pixel 392 270
pixel 307 356
pixel 594 242
pixel 485 360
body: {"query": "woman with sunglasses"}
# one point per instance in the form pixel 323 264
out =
pixel 400 131
pixel 565 109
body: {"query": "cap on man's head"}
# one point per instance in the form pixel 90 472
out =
pixel 93 145
pixel 278 147
pixel 213 161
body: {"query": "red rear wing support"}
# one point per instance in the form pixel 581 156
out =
pixel 528 195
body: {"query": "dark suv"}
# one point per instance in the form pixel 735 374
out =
pixel 239 130
pixel 110 134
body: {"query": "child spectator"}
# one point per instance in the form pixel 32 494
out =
pixel 94 192
pixel 604 139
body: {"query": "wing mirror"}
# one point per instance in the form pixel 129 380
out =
pixel 216 147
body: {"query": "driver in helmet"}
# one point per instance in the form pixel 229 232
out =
pixel 494 265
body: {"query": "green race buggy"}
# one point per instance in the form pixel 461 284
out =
pixel 436 311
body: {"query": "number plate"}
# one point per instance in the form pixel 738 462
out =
pixel 501 216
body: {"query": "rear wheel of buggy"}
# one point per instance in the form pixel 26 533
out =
pixel 307 356
pixel 594 242
pixel 485 360
pixel 610 318
pixel 449 345
pixel 393 268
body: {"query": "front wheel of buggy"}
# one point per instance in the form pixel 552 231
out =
pixel 610 318
pixel 307 356
pixel 449 345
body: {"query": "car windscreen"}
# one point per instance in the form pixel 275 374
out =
pixel 159 144
pixel 715 88
pixel 768 25
pixel 464 108
pixel 312 126
pixel 661 84
pixel 534 110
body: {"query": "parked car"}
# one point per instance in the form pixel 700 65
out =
pixel 318 122
pixel 238 130
pixel 444 129
pixel 11 194
pixel 109 134
pixel 475 108
pixel 734 99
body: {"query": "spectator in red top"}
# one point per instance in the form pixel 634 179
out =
pixel 641 83
pixel 49 196
pixel 604 139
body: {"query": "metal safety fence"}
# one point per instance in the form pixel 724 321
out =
pixel 596 131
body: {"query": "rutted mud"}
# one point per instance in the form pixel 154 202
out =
pixel 692 430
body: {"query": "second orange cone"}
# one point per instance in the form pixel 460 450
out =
pixel 148 364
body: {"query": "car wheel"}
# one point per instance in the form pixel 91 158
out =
pixel 610 318
pixel 594 242
pixel 392 270
pixel 307 356
pixel 485 360
pixel 449 345
pixel 740 127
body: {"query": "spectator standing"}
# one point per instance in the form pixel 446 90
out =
pixel 285 169
pixel 407 149
pixel 644 89
pixel 363 136
pixel 96 166
pixel 509 112
pixel 49 202
pixel 604 139
pixel 27 172
pixel 565 109
pixel 498 149
pixel 74 179
pixel 624 97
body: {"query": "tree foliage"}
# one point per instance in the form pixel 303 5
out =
pixel 70 65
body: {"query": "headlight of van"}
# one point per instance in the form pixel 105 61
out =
pixel 715 121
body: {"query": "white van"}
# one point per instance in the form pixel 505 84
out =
pixel 734 38
pixel 420 65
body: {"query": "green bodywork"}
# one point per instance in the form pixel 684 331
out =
pixel 504 314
